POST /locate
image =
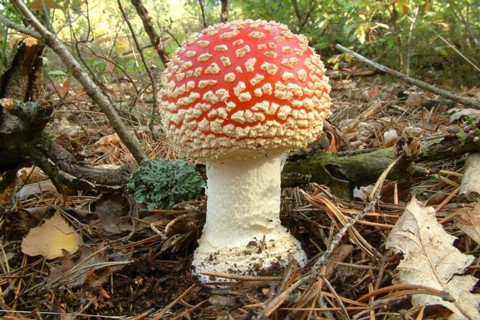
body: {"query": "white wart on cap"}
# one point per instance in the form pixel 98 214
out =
pixel 243 89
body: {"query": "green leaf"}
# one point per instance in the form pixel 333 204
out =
pixel 57 73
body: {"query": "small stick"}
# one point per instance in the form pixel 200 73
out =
pixel 162 312
pixel 422 85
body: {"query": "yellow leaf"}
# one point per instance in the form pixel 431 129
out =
pixel 50 238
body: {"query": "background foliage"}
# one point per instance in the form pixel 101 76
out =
pixel 412 36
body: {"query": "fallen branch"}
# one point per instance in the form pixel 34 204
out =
pixel 343 173
pixel 407 79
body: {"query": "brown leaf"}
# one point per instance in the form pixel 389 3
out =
pixel 65 87
pixel 37 188
pixel 92 268
pixel 469 221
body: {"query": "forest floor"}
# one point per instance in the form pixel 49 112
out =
pixel 129 269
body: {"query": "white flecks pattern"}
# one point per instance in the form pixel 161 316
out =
pixel 240 87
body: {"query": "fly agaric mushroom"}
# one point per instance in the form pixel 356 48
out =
pixel 238 96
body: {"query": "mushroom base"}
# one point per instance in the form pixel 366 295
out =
pixel 242 234
pixel 258 258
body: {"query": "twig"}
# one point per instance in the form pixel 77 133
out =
pixel 202 10
pixel 144 61
pixel 130 141
pixel 470 62
pixel 422 85
pixel 339 301
pixel 419 289
pixel 242 278
pixel 162 312
pixel 10 24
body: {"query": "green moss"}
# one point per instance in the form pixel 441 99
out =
pixel 343 174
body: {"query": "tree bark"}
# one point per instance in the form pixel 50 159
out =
pixel 20 82
pixel 224 11
pixel 150 30
pixel 23 77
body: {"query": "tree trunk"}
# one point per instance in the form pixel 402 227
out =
pixel 224 11
pixel 150 30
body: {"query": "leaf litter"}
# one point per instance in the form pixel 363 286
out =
pixel 134 263
pixel 430 259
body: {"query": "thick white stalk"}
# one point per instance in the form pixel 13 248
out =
pixel 243 234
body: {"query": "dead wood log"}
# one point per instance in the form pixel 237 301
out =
pixel 343 172
pixel 19 83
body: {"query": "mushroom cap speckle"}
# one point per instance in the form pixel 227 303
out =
pixel 243 89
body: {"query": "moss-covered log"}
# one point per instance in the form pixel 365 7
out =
pixel 342 173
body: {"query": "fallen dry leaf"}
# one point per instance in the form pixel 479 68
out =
pixel 37 188
pixel 469 221
pixel 51 238
pixel 111 210
pixel 431 260
pixel 92 266
pixel 111 149
pixel 470 187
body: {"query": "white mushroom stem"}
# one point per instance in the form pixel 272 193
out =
pixel 243 234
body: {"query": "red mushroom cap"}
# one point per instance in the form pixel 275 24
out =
pixel 243 89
